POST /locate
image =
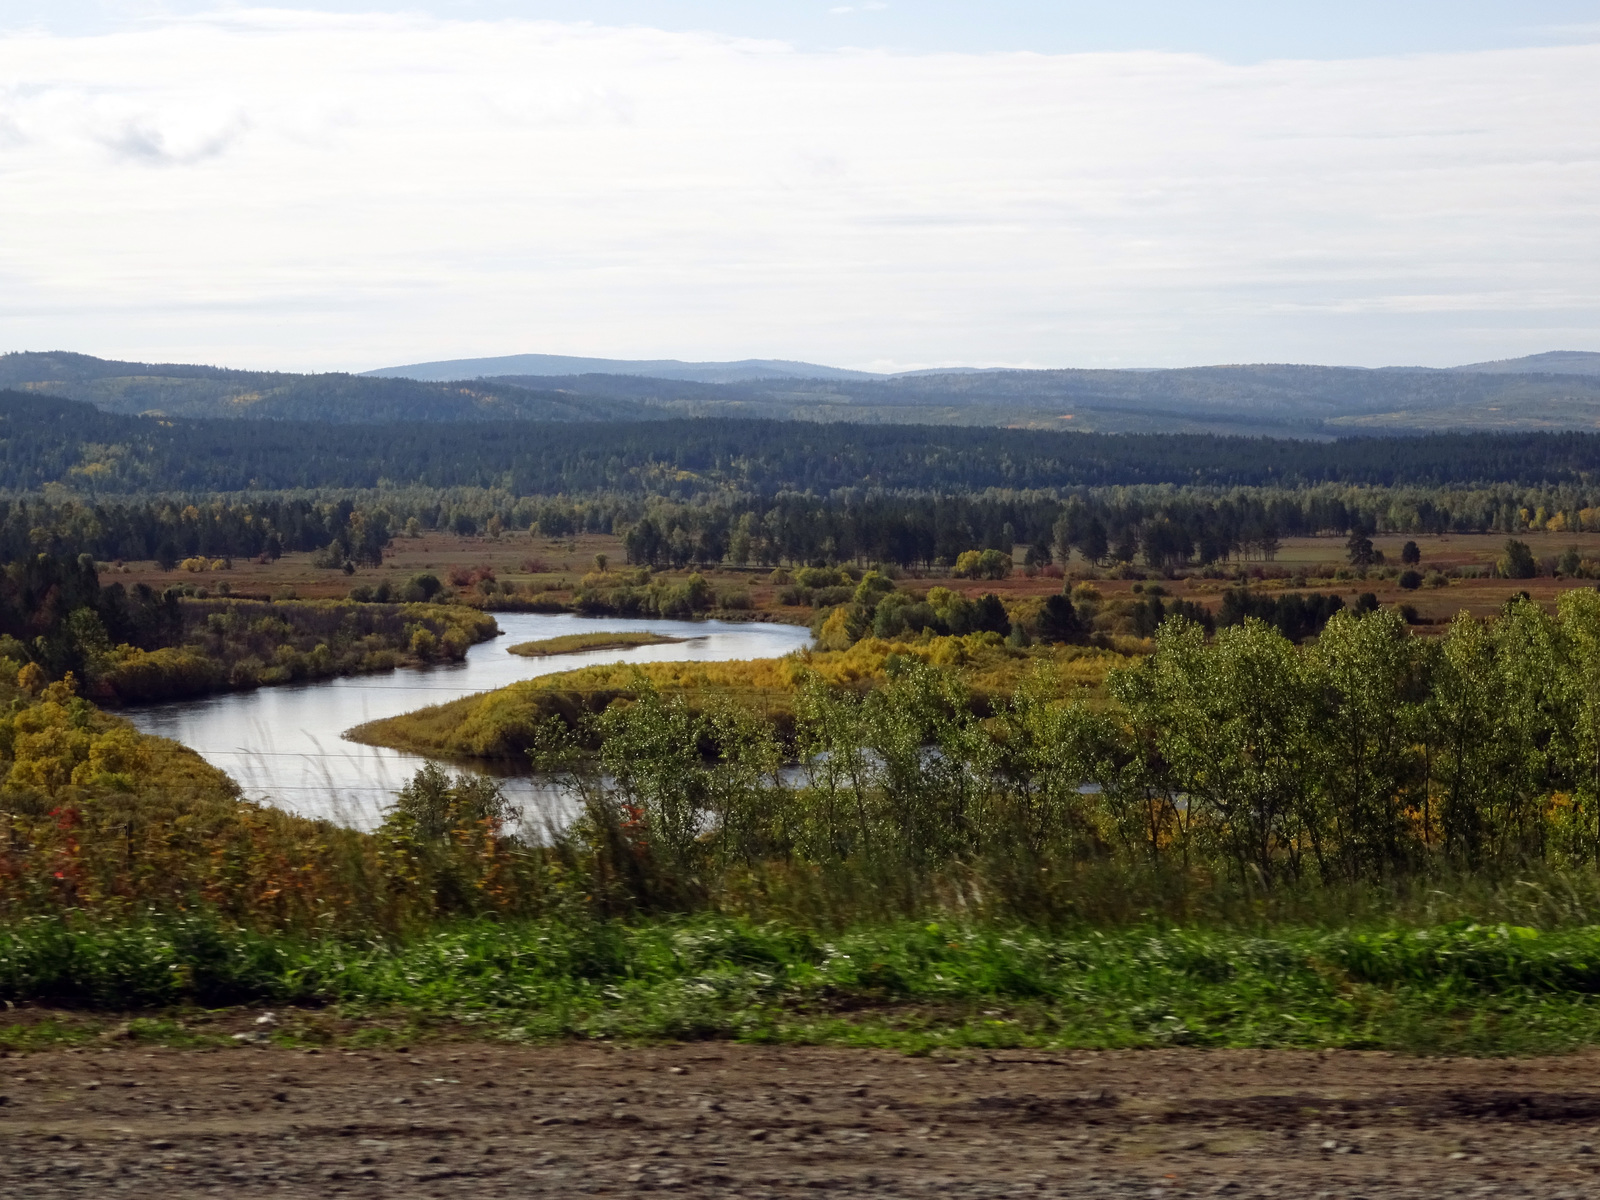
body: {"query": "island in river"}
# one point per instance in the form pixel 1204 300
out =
pixel 573 643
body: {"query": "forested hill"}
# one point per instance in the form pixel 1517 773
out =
pixel 1275 400
pixel 44 440
pixel 1269 400
pixel 179 390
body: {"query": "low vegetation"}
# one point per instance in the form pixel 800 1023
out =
pixel 505 724
pixel 1230 841
pixel 1052 776
pixel 98 819
pixel 1372 756
pixel 919 986
pixel 574 642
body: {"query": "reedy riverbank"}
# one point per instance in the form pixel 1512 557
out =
pixel 505 724
pixel 575 642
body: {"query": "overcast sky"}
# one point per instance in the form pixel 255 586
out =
pixel 879 185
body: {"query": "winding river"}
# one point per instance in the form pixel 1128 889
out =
pixel 284 745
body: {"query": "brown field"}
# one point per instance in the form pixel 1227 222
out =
pixel 715 1119
pixel 567 560
pixel 433 552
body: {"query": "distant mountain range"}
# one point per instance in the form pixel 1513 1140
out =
pixel 180 390
pixel 750 370
pixel 1559 390
pixel 1554 362
pixel 747 370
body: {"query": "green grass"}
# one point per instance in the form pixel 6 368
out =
pixel 915 986
pixel 572 643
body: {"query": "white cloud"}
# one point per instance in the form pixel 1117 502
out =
pixel 348 191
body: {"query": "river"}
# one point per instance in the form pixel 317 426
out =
pixel 284 746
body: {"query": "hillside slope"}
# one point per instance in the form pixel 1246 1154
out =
pixel 1265 399
pixel 1282 400
pixel 1554 362
pixel 45 440
pixel 177 390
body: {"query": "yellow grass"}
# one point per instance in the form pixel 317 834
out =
pixel 572 643
pixel 501 724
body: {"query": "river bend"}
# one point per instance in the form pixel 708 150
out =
pixel 284 744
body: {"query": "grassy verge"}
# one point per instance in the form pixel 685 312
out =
pixel 572 643
pixel 915 986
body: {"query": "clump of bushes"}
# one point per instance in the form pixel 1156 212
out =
pixel 1373 755
pixel 982 564
pixel 639 594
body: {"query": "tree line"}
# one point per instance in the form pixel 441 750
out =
pixel 169 531
pixel 45 440
pixel 55 614
pixel 1160 528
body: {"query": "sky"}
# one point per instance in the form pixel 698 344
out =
pixel 881 185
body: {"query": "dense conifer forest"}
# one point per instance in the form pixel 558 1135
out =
pixel 46 440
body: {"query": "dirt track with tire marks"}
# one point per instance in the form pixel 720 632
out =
pixel 462 1119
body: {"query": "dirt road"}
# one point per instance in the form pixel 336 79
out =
pixel 454 1120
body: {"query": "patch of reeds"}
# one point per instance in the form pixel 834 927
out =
pixel 573 643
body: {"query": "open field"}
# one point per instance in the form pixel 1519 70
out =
pixel 436 552
pixel 563 563
pixel 443 1119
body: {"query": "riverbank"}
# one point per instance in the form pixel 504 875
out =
pixel 238 645
pixel 502 725
pixel 283 743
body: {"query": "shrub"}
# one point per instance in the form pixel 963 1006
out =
pixel 1058 621
pixel 820 577
pixel 421 588
pixel 424 644
pixel 1517 561
pixel 827 597
pixel 983 564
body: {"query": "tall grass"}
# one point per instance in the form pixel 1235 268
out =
pixel 1458 988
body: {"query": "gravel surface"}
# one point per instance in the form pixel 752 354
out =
pixel 455 1119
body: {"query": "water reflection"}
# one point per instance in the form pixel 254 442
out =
pixel 283 744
